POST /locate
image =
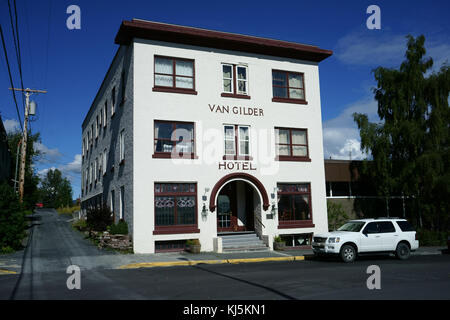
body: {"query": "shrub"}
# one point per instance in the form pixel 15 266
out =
pixel 120 228
pixel 68 210
pixel 193 242
pixel 432 238
pixel 277 239
pixel 80 225
pixel 98 218
pixel 12 219
pixel 336 215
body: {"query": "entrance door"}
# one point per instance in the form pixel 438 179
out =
pixel 226 208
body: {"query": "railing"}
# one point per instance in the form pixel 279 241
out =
pixel 259 221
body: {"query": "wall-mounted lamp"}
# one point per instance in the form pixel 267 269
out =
pixel 204 211
pixel 273 211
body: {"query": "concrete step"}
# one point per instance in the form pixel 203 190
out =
pixel 242 242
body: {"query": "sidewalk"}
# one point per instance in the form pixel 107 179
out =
pixel 134 261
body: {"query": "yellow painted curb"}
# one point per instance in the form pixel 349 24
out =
pixel 195 262
pixel 3 271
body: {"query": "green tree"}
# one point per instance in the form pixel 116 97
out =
pixel 56 191
pixel 12 219
pixel 31 191
pixel 336 215
pixel 410 147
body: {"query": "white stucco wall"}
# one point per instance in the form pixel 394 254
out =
pixel 149 105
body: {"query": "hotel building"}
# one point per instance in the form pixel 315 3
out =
pixel 200 134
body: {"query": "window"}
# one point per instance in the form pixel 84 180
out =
pixel 386 227
pixel 113 101
pixel 112 203
pixel 175 208
pixel 87 142
pixel 174 75
pixel 105 111
pixel 122 202
pixel 235 81
pixel 90 174
pixel 84 146
pixel 372 227
pixel 92 133
pixel 96 127
pixel 288 87
pixel 100 164
pixel 174 139
pixel 122 146
pixel 237 142
pixel 291 144
pixel 405 226
pixel 104 161
pixel 294 205
pixel 95 169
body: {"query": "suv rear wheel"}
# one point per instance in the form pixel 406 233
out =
pixel 348 253
pixel 402 252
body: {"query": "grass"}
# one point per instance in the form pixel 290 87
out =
pixel 68 210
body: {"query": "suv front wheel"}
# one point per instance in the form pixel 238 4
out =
pixel 348 253
pixel 402 252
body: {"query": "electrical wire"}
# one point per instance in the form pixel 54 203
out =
pixel 10 78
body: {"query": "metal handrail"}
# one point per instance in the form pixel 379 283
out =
pixel 259 220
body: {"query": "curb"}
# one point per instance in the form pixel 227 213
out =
pixel 196 262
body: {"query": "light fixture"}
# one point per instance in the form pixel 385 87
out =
pixel 204 211
pixel 273 210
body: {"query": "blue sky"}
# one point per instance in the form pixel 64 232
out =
pixel 71 64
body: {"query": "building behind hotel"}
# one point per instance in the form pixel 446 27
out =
pixel 199 134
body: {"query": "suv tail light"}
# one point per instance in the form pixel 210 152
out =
pixel 417 236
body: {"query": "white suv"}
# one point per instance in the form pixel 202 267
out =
pixel 390 235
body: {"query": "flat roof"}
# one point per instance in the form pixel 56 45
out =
pixel 151 30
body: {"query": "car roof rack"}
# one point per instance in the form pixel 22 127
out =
pixel 388 218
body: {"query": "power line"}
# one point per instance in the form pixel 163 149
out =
pixel 10 77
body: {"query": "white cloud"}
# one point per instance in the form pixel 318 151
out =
pixel 341 135
pixel 73 167
pixel 47 155
pixel 11 125
pixel 368 48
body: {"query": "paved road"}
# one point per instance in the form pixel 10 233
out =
pixel 54 246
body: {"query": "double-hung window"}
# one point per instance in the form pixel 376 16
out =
pixel 96 127
pixel 174 139
pixel 235 81
pixel 237 142
pixel 175 208
pixel 113 101
pixel 104 161
pixel 291 144
pixel 122 146
pixel 294 205
pixel 288 87
pixel 174 75
pixel 105 113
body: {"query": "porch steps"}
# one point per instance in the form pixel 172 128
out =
pixel 242 242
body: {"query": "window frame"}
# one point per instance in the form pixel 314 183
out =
pixel 176 228
pixel 287 224
pixel 105 162
pixel 234 82
pixel 289 99
pixel 173 88
pixel 173 154
pixel 122 147
pixel 237 143
pixel 291 157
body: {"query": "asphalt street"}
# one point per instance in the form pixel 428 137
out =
pixel 53 246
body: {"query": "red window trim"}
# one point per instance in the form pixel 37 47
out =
pixel 289 99
pixel 173 154
pixel 173 89
pixel 234 94
pixel 287 224
pixel 176 229
pixel 291 157
pixel 236 156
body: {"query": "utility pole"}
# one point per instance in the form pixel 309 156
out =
pixel 28 93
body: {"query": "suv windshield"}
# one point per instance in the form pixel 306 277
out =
pixel 352 226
